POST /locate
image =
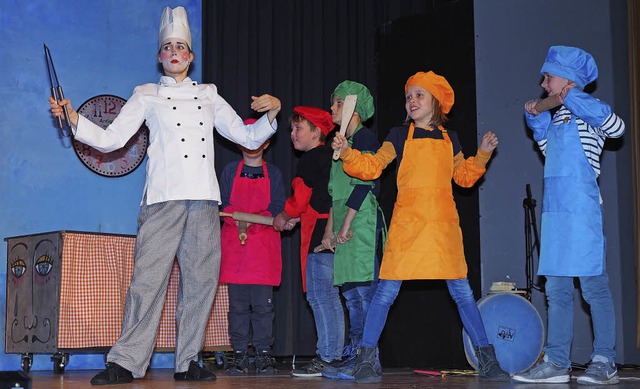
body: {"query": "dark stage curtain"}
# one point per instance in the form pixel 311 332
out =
pixel 299 50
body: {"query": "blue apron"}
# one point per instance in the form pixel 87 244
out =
pixel 572 238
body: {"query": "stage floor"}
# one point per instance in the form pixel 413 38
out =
pixel 392 378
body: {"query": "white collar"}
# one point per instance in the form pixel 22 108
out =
pixel 167 80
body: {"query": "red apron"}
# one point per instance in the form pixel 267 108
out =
pixel 259 261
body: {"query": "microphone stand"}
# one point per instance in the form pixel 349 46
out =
pixel 532 240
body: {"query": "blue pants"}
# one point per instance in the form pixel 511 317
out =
pixel 358 297
pixel 251 306
pixel 459 290
pixel 325 302
pixel 596 292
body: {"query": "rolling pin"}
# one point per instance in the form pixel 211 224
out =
pixel 243 218
pixel 547 103
pixel 249 217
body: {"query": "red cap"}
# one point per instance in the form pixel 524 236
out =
pixel 318 117
pixel 249 121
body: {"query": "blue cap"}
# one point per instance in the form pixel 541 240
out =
pixel 571 63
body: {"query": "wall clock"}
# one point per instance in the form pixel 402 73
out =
pixel 102 110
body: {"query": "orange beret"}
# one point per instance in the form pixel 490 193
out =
pixel 437 85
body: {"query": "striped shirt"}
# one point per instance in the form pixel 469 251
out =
pixel 592 138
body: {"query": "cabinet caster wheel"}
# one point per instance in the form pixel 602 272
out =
pixel 26 362
pixel 60 361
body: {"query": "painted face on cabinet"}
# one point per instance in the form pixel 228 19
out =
pixel 33 275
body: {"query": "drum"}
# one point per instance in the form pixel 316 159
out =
pixel 515 329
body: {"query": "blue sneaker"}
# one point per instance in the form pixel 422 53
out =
pixel 335 372
pixel 348 363
pixel 600 373
pixel 347 373
pixel 545 372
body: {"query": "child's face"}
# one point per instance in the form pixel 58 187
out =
pixel 419 104
pixel 336 110
pixel 175 57
pixel 336 115
pixel 302 137
pixel 253 154
pixel 553 84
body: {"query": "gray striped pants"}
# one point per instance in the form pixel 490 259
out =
pixel 190 230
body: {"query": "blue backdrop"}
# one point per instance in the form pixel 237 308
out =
pixel 98 47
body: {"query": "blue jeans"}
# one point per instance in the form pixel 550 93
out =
pixel 459 290
pixel 324 299
pixel 358 297
pixel 596 292
pixel 462 295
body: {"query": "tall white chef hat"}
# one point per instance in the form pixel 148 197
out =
pixel 174 24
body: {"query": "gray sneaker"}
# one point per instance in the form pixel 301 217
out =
pixel 600 373
pixel 544 372
pixel 312 369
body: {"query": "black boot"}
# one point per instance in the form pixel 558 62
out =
pixel 265 364
pixel 368 369
pixel 240 364
pixel 113 374
pixel 488 366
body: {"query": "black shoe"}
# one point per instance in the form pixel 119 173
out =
pixel 313 368
pixel 113 374
pixel 240 364
pixel 265 364
pixel 195 373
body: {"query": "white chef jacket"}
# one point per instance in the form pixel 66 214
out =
pixel 181 118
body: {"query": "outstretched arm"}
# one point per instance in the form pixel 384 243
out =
pixel 266 103
pixel 364 166
pixel 466 172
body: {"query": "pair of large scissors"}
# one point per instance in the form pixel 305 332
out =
pixel 56 89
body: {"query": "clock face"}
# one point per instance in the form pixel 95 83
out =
pixel 102 110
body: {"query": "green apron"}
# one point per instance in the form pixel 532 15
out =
pixel 353 261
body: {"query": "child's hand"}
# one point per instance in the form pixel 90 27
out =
pixel 329 241
pixel 265 103
pixel 530 106
pixel 280 221
pixel 57 110
pixel 247 224
pixel 565 90
pixel 339 143
pixel 489 142
pixel 291 223
pixel 344 236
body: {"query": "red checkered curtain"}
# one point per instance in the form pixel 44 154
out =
pixel 96 272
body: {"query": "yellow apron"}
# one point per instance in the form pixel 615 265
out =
pixel 425 239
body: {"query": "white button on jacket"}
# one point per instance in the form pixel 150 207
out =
pixel 181 118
